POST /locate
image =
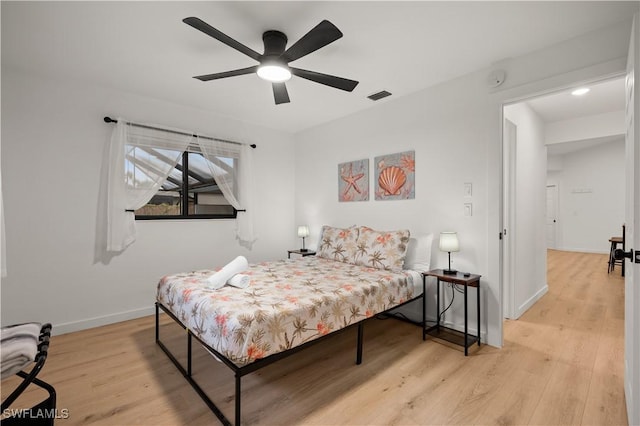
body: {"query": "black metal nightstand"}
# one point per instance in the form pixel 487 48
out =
pixel 301 253
pixel 446 333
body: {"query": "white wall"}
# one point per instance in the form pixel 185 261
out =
pixel 590 197
pixel 583 128
pixel 528 233
pixel 53 138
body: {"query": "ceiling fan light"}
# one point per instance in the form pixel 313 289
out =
pixel 274 73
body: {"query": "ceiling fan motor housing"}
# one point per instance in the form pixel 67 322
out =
pixel 275 43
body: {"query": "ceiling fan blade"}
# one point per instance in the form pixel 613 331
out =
pixel 215 76
pixel 322 34
pixel 280 93
pixel 326 79
pixel 200 25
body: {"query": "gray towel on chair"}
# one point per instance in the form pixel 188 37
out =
pixel 18 347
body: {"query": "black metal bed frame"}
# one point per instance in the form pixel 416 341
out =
pixel 239 372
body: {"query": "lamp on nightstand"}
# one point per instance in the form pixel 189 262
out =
pixel 303 231
pixel 449 243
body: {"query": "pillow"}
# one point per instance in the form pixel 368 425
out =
pixel 381 249
pixel 338 244
pixel 419 253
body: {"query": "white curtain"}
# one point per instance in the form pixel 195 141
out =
pixel 234 180
pixel 130 186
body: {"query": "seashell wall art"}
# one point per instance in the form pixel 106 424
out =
pixel 395 176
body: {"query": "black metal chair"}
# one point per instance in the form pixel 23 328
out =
pixel 43 413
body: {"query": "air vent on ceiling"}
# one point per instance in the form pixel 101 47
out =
pixel 379 95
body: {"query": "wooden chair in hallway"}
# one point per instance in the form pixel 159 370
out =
pixel 614 245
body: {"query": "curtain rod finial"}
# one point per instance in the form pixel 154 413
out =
pixel 109 120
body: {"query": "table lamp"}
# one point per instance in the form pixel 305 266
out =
pixel 303 231
pixel 449 243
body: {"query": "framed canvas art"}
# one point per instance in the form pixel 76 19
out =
pixel 395 176
pixel 353 181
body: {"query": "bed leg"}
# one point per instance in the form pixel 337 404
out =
pixel 188 353
pixel 157 322
pixel 359 350
pixel 238 379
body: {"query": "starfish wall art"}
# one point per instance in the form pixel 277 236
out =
pixel 353 181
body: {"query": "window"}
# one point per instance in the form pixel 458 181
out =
pixel 189 191
pixel 163 173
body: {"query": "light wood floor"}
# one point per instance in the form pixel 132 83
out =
pixel 562 363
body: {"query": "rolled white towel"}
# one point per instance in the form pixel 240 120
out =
pixel 18 347
pixel 236 266
pixel 12 366
pixel 29 329
pixel 239 280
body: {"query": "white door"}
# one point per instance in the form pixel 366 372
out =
pixel 632 220
pixel 508 218
pixel 552 215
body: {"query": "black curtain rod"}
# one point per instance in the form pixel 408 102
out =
pixel 111 120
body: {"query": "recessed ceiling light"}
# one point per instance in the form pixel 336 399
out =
pixel 581 91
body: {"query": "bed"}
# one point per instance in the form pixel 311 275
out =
pixel 289 304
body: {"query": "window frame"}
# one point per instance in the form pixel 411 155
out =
pixel 184 200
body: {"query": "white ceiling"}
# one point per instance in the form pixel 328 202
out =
pixel 603 97
pixel 144 48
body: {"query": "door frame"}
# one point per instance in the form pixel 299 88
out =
pixel 509 141
pixel 632 219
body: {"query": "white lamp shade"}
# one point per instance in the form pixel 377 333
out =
pixel 303 231
pixel 449 242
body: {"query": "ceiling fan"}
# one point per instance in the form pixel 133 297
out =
pixel 274 62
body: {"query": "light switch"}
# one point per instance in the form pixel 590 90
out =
pixel 468 209
pixel 468 189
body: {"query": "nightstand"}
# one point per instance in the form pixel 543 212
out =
pixel 301 253
pixel 445 333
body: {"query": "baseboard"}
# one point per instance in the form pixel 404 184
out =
pixel 470 330
pixel 415 316
pixel 69 327
pixel 581 250
pixel 530 302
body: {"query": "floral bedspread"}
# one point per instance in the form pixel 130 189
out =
pixel 288 303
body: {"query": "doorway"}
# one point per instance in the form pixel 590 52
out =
pixel 567 163
pixel 631 131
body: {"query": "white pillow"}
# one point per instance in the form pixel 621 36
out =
pixel 419 253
